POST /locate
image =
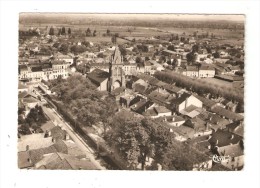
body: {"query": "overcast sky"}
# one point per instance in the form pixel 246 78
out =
pixel 239 18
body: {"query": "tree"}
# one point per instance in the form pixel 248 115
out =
pixel 195 48
pixel 122 50
pixel 59 31
pixel 113 39
pixel 108 32
pixel 94 33
pixel 51 32
pixel 69 31
pixel 88 33
pixel 64 48
pixel 191 57
pixel 138 60
pixel 216 55
pixel 63 31
pixel 171 47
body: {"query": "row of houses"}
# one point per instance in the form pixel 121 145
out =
pixel 44 71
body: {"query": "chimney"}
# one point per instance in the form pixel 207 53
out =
pixel 217 142
pixel 159 167
pixel 165 119
pixel 232 137
pixel 27 147
pixel 29 160
pixel 173 118
pixel 67 136
pixel 49 133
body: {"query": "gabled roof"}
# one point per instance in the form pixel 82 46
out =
pixel 236 127
pixel 58 133
pixel 22 86
pixel 98 76
pixel 231 150
pixel 36 69
pixel 227 113
pixel 24 160
pixel 206 102
pixel 222 138
pixel 30 100
pixel 192 68
pixel 206 67
pixel 161 109
pixel 34 141
pixel 172 88
pixel 181 99
pixel 23 94
pixel 141 106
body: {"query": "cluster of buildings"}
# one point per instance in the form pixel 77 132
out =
pixel 212 127
pixel 44 70
pixel 51 150
pixel 189 117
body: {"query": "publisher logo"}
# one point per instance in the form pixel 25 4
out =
pixel 218 159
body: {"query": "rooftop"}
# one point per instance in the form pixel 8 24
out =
pixel 98 76
pixel 34 141
pixel 231 150
pixel 223 138
pixel 227 113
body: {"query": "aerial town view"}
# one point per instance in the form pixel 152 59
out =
pixel 162 92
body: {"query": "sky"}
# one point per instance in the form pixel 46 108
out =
pixel 199 17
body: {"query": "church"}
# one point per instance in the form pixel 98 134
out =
pixel 115 78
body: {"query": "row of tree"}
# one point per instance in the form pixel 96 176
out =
pixel 61 31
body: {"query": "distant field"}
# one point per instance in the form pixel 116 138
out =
pixel 229 36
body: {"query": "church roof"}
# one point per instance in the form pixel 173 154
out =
pixel 98 75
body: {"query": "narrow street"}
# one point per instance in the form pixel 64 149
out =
pixel 58 120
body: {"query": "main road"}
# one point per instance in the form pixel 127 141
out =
pixel 58 120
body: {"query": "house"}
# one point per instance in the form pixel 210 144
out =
pixel 222 138
pixel 30 101
pixel 161 98
pixel 236 127
pixel 233 156
pixel 206 71
pixel 182 133
pixel 214 121
pixel 191 111
pixel 34 141
pixel 220 60
pixel 22 87
pixel 128 99
pixel 200 126
pixel 63 161
pixel 224 113
pixel 191 71
pixel 68 59
pixel 142 106
pixel 157 111
pixel 184 101
pixel 235 69
pixel 100 79
pixel 173 120
pixel 60 69
pixel 207 104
